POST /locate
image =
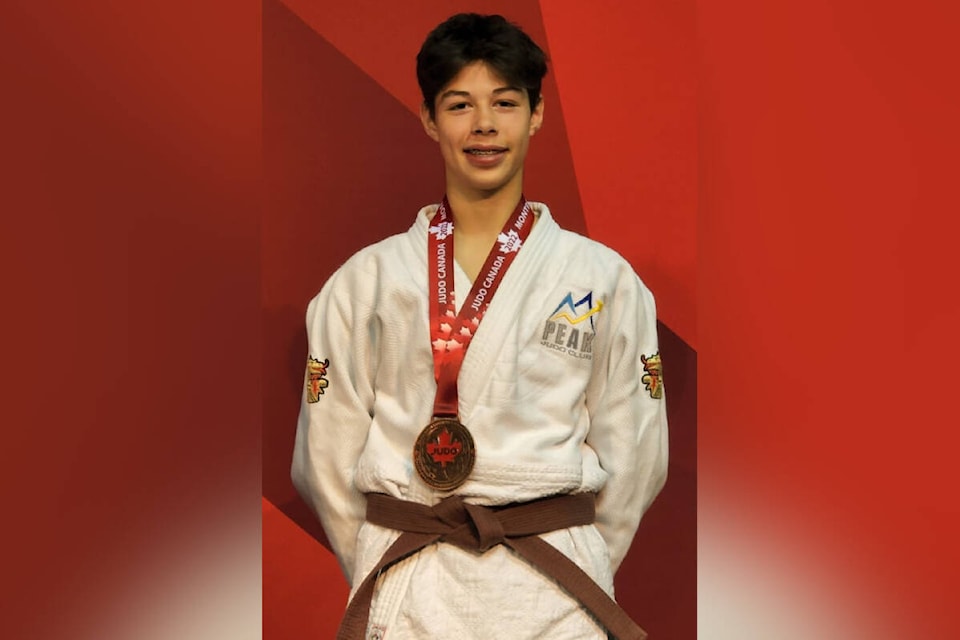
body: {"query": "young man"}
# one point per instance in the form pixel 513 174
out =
pixel 480 435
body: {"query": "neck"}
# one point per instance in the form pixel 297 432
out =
pixel 482 214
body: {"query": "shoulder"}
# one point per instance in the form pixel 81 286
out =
pixel 364 272
pixel 396 250
pixel 593 249
pixel 594 261
pixel 588 253
pixel 569 242
pixel 373 257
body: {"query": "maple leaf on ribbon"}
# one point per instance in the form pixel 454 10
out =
pixel 465 331
pixel 442 230
pixel 439 345
pixel 445 328
pixel 445 449
pixel 509 242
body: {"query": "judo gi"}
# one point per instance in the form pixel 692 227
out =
pixel 561 389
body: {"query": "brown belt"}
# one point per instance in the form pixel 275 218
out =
pixel 477 528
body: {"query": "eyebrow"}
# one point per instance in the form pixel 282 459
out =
pixel 466 94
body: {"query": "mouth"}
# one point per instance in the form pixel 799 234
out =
pixel 484 151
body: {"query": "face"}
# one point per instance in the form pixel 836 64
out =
pixel 483 126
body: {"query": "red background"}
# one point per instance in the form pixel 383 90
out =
pixel 133 344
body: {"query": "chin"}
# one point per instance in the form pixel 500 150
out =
pixel 490 186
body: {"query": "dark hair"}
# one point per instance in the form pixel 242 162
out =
pixel 470 37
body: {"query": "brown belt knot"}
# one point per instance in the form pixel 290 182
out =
pixel 471 527
pixel 477 528
pixel 486 527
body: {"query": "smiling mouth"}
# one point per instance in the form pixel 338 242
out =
pixel 485 152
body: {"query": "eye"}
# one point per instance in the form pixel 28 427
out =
pixel 457 106
pixel 507 103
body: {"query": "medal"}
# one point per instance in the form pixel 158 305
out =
pixel 444 454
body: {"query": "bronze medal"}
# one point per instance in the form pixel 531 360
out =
pixel 444 453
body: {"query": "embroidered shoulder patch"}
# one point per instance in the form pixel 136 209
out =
pixel 316 382
pixel 653 378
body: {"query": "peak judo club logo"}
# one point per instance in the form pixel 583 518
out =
pixel 316 378
pixel 570 328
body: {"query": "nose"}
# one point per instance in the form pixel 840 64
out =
pixel 484 121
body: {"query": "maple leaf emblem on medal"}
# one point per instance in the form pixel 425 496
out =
pixel 444 454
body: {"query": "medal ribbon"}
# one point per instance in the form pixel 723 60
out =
pixel 450 332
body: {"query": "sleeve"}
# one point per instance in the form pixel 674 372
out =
pixel 628 418
pixel 336 411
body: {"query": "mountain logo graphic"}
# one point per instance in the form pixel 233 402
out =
pixel 577 312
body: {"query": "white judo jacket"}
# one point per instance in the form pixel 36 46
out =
pixel 561 389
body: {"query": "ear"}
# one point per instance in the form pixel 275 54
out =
pixel 428 124
pixel 536 117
